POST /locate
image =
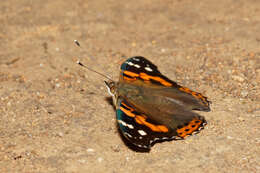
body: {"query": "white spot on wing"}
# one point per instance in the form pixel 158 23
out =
pixel 148 69
pixel 141 132
pixel 130 63
pixel 137 66
pixel 155 139
pixel 130 126
pixel 127 134
pixel 142 146
pixel 121 122
pixel 164 138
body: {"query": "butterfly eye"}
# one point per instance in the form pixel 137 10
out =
pixel 110 87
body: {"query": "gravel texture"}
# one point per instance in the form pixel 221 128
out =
pixel 56 117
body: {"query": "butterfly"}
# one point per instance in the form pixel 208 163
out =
pixel 151 108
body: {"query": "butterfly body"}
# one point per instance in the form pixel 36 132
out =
pixel 150 107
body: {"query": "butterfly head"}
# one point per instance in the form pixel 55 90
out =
pixel 112 89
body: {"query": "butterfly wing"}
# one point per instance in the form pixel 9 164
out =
pixel 152 107
pixel 143 132
pixel 140 71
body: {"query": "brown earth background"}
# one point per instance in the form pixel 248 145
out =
pixel 55 117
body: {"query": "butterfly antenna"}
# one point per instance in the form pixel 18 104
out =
pixel 77 43
pixel 90 69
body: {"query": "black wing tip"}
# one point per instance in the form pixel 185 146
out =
pixel 204 109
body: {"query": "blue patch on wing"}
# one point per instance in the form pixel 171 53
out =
pixel 124 121
pixel 124 65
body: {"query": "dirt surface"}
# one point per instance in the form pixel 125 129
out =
pixel 55 116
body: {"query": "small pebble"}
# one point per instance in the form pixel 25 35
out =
pixel 57 85
pixel 238 78
pixel 244 93
pixel 100 159
pixel 82 161
pixel 90 150
pixel 229 137
pixel 60 134
pixel 241 119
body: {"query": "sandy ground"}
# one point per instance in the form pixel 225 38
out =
pixel 55 116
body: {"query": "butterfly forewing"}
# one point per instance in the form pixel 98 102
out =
pixel 139 70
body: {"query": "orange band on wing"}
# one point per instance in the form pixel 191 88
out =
pixel 129 73
pixel 163 128
pixel 128 107
pixel 130 79
pixel 156 128
pixel 145 76
pixel 190 128
pixel 127 112
pixel 141 119
pixel 193 93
